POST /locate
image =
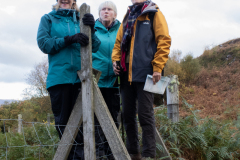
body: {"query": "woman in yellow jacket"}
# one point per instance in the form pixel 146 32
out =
pixel 141 48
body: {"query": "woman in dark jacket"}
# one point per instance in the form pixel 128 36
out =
pixel 106 30
pixel 59 36
pixel 142 46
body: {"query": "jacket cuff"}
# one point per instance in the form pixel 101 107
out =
pixel 61 42
pixel 157 69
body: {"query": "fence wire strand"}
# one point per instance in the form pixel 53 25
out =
pixel 40 140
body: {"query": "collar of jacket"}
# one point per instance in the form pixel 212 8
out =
pixel 66 13
pixel 152 7
pixel 100 26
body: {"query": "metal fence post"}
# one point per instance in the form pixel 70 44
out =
pixel 173 99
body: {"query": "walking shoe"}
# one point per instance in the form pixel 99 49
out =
pixel 135 156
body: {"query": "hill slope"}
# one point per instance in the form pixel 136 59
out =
pixel 216 89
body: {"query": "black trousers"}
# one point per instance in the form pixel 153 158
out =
pixel 130 93
pixel 112 99
pixel 63 98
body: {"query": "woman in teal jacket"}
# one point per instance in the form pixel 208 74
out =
pixel 106 30
pixel 59 36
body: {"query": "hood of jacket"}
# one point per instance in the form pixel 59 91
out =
pixel 100 26
pixel 65 13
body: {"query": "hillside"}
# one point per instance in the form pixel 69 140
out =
pixel 215 91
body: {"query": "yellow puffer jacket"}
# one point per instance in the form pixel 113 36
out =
pixel 149 45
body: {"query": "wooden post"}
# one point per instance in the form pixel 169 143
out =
pixel 19 123
pixel 86 77
pixel 165 152
pixel 108 126
pixel 48 119
pixel 173 99
pixel 73 124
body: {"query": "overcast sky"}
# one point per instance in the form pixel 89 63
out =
pixel 193 25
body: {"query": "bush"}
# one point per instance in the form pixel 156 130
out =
pixel 190 67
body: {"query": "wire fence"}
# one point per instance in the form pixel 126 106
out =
pixel 37 140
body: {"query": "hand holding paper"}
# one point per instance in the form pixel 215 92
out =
pixel 156 77
pixel 159 87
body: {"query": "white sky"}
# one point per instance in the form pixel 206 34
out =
pixel 193 25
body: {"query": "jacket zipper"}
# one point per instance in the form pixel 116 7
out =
pixel 134 38
pixel 71 51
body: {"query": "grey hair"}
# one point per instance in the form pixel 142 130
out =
pixel 74 6
pixel 109 4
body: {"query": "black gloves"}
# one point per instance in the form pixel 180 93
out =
pixel 77 38
pixel 88 19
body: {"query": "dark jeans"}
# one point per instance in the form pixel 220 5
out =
pixel 130 93
pixel 112 99
pixel 63 98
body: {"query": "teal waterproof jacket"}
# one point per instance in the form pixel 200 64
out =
pixel 102 58
pixel 64 61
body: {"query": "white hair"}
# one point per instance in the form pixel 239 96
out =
pixel 109 4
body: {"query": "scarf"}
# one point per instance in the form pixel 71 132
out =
pixel 134 13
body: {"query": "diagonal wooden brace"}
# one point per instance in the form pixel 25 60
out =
pixel 70 131
pixel 108 126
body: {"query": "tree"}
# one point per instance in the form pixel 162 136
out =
pixel 37 93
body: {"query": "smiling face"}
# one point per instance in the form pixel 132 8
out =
pixel 65 4
pixel 107 14
pixel 137 1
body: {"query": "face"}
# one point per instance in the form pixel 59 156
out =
pixel 65 4
pixel 107 14
pixel 137 1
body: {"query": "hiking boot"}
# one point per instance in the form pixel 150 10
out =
pixel 135 156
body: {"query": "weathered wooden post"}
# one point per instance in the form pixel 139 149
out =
pixel 173 99
pixel 160 141
pixel 19 123
pixel 48 119
pixel 87 89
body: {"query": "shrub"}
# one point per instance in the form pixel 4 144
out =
pixel 190 67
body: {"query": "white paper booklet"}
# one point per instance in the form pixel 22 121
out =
pixel 159 87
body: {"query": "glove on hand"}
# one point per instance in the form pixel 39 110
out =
pixel 88 19
pixel 77 38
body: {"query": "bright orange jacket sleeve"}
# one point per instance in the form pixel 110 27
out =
pixel 116 52
pixel 163 41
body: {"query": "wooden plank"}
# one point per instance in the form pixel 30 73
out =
pixel 97 74
pixel 165 153
pixel 108 126
pixel 173 99
pixel 87 90
pixel 71 131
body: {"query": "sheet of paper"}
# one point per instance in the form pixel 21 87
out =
pixel 159 87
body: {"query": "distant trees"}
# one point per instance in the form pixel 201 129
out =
pixel 37 102
pixel 186 68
